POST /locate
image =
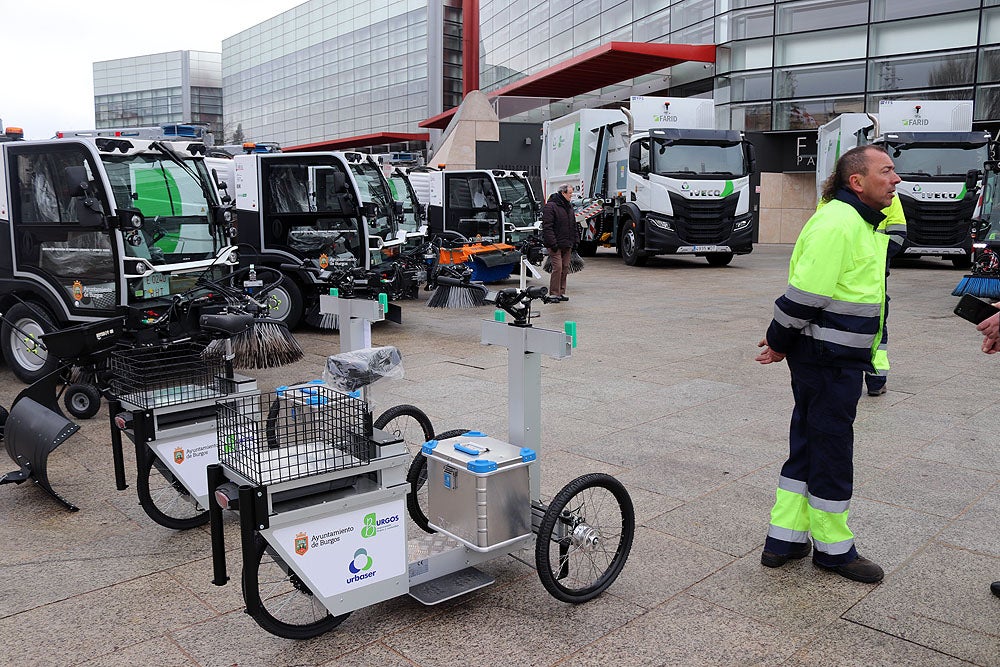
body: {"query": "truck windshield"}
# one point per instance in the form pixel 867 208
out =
pixel 916 162
pixel 515 191
pixel 374 191
pixel 177 226
pixel 400 191
pixel 694 160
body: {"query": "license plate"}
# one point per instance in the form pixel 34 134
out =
pixel 156 284
pixel 933 251
pixel 704 248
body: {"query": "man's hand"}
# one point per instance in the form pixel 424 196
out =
pixel 990 327
pixel 767 355
pixel 991 345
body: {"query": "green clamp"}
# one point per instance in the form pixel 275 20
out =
pixel 499 316
pixel 383 300
pixel 570 328
pixel 334 291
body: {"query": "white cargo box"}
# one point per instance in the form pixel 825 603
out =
pixel 478 491
pixel 925 116
pixel 688 113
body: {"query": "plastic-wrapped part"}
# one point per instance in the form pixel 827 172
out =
pixel 350 371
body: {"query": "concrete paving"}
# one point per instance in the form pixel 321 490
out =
pixel 663 393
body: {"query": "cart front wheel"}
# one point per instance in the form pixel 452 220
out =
pixel 585 538
pixel 285 606
pixel 83 401
pixel 416 477
pixel 164 498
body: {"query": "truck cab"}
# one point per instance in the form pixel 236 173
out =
pixel 93 227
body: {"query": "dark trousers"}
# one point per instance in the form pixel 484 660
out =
pixel 820 461
pixel 560 269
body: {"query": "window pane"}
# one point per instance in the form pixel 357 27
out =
pixel 884 10
pixel 953 69
pixel 835 79
pixel 953 94
pixel 753 86
pixel 987 102
pixel 806 114
pixel 943 32
pixel 745 24
pixel 989 64
pixel 821 14
pixel 991 27
pixel 751 117
pixel 843 44
pixel 750 55
pixel 689 12
pixel 651 28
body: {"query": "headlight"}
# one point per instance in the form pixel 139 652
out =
pixel 662 224
pixel 742 224
pixel 227 216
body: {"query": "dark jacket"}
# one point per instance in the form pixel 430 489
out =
pixel 559 228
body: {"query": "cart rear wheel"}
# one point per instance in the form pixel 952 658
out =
pixel 585 538
pixel 416 477
pixel 23 350
pixel 409 423
pixel 83 401
pixel 164 498
pixel 285 606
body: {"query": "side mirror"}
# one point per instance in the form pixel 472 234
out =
pixel 339 182
pixel 79 183
pixel 397 207
pixel 972 179
pixel 751 153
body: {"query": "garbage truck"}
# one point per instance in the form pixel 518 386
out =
pixel 654 179
pixel 93 227
pixel 934 148
pixel 317 211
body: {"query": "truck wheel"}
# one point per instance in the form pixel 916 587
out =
pixel 630 245
pixel 587 248
pixel 285 303
pixel 961 262
pixel 21 334
pixel 719 259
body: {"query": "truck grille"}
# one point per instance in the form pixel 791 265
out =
pixel 938 224
pixel 701 221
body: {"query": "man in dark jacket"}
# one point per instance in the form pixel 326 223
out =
pixel 559 234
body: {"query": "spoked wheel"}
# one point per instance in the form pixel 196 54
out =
pixel 164 498
pixel 409 423
pixel 585 538
pixel 285 606
pixel 416 477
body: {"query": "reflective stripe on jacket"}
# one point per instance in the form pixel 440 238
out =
pixel 831 313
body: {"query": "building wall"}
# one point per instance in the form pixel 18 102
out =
pixel 786 202
pixel 327 69
pixel 173 87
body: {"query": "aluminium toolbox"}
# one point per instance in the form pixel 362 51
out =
pixel 478 491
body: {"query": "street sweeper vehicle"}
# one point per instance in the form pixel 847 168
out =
pixel 476 215
pixel 96 227
pixel 317 210
pixel 937 155
pixel 655 179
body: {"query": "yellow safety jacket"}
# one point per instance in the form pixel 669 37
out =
pixel 831 312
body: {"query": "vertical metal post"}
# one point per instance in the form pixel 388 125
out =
pixel 217 477
pixel 117 453
pixel 524 403
pixel 248 528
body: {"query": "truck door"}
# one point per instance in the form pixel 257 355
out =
pixel 61 240
pixel 473 207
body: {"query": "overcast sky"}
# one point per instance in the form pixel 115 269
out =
pixel 48 47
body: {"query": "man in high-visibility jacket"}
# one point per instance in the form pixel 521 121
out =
pixel 828 326
pixel 894 226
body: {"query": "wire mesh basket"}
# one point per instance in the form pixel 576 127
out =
pixel 293 433
pixel 156 377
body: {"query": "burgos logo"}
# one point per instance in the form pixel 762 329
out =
pixel 361 566
pixel 179 455
pixel 373 523
pixel 301 544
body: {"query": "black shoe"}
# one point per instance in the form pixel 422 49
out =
pixel 877 392
pixel 860 569
pixel 768 559
pixel 563 297
pixel 551 299
pixel 995 587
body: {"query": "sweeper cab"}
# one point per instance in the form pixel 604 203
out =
pixel 475 216
pixel 96 227
pixel 317 211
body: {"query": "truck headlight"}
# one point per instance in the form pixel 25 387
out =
pixel 742 224
pixel 662 224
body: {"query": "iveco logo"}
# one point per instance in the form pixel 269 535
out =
pixel 937 195
pixel 706 193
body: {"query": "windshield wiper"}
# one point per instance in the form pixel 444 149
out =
pixel 179 161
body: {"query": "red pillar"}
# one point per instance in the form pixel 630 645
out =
pixel 470 46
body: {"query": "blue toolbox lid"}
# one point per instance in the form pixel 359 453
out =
pixel 528 454
pixel 428 447
pixel 474 434
pixel 481 465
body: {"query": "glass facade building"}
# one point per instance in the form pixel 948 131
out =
pixel 338 68
pixel 173 87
